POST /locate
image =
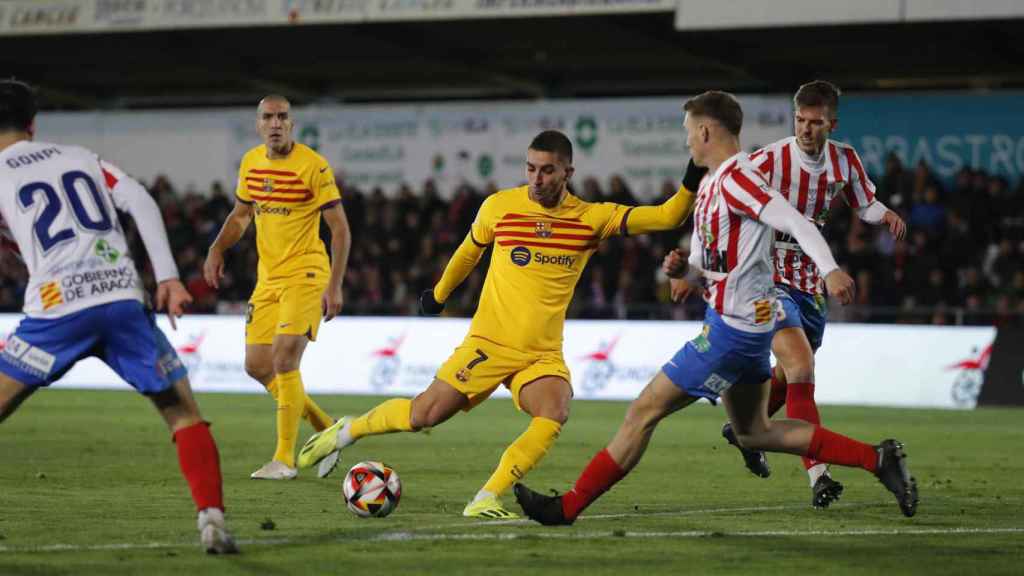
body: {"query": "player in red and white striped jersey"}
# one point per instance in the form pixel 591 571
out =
pixel 736 212
pixel 810 170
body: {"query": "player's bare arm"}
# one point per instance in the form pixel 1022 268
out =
pixel 234 226
pixel 341 240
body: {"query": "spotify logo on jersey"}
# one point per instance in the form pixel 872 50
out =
pixel 520 256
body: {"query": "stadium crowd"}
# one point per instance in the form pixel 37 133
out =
pixel 961 263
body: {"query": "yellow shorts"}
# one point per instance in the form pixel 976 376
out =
pixel 478 366
pixel 283 309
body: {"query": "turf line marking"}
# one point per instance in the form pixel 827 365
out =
pixel 409 536
pixel 406 536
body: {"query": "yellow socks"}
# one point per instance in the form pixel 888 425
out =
pixel 316 416
pixel 390 416
pixel 290 405
pixel 311 411
pixel 523 454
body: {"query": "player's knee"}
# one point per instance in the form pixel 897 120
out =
pixel 799 368
pixel 165 399
pixel 641 414
pixel 259 369
pixel 559 413
pixel 284 363
pixel 421 417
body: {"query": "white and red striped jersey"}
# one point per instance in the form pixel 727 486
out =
pixel 810 185
pixel 58 206
pixel 732 247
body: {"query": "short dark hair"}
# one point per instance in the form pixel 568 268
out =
pixel 818 93
pixel 18 105
pixel 553 141
pixel 719 106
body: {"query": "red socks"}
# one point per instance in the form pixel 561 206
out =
pixel 827 446
pixel 777 396
pixel 800 405
pixel 200 464
pixel 601 474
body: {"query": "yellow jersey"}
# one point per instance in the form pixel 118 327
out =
pixel 288 195
pixel 538 256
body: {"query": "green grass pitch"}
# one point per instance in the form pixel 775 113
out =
pixel 89 484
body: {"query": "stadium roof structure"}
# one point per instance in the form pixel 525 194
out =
pixel 509 58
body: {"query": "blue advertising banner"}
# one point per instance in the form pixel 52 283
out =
pixel 947 131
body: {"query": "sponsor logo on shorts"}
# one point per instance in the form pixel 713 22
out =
pixel 820 303
pixel 462 375
pixel 15 347
pixel 716 383
pixel 168 363
pixel 701 342
pixel 28 357
pixel 520 256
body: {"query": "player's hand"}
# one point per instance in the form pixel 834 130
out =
pixel 213 268
pixel 897 227
pixel 694 174
pixel 840 285
pixel 681 289
pixel 172 296
pixel 674 265
pixel 331 302
pixel 428 305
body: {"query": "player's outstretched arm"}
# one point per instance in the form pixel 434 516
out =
pixel 670 213
pixel 234 226
pixel 129 195
pixel 461 264
pixel 779 214
pixel 341 240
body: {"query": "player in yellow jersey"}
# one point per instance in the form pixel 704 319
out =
pixel 287 187
pixel 541 237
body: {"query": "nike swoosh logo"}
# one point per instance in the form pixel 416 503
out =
pixel 673 363
pixel 324 169
pixel 285 325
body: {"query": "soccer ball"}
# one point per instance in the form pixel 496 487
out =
pixel 372 490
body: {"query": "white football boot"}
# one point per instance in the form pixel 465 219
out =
pixel 213 535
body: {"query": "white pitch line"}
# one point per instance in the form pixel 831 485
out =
pixel 662 514
pixel 409 536
pixel 406 536
pixel 417 533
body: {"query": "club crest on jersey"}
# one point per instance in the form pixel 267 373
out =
pixel 268 184
pixel 709 236
pixel 763 310
pixel 821 217
pixel 543 229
